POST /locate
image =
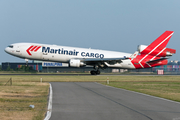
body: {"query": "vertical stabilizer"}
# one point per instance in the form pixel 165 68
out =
pixel 156 52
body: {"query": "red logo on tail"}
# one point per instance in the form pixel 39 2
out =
pixel 155 54
pixel 33 48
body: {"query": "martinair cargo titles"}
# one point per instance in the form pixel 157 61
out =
pixel 155 54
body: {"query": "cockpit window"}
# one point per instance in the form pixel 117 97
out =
pixel 10 46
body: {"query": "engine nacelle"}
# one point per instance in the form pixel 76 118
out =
pixel 143 49
pixel 76 63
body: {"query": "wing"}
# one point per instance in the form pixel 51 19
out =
pixel 93 61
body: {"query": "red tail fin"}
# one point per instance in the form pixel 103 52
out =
pixel 162 40
pixel 155 50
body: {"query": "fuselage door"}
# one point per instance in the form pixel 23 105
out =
pixel 45 55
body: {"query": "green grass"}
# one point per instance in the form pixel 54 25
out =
pixel 15 100
pixel 165 87
pixel 67 78
pixel 27 90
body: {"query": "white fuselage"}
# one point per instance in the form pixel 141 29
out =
pixel 63 54
pixel 155 54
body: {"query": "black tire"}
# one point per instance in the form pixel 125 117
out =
pixel 98 72
pixel 93 72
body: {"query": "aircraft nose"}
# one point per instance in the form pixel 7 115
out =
pixel 6 49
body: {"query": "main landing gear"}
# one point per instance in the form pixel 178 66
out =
pixel 93 72
pixel 96 70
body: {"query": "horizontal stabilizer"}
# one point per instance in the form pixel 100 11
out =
pixel 157 60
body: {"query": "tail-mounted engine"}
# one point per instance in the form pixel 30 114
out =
pixel 143 49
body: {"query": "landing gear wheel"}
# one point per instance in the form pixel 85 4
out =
pixel 98 72
pixel 93 72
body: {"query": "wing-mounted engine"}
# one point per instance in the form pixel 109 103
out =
pixel 158 52
pixel 76 63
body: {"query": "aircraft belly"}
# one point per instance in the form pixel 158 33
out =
pixel 124 64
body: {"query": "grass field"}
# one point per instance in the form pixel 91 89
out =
pixel 168 90
pixel 15 100
pixel 28 90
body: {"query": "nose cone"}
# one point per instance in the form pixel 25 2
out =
pixel 6 50
pixel 9 49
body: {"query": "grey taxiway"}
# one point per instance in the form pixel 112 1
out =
pixel 93 101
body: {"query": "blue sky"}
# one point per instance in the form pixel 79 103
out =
pixel 115 25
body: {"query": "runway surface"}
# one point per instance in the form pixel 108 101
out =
pixel 93 101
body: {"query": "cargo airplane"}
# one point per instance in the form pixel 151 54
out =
pixel 155 54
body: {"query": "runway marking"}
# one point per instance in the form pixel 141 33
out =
pixel 49 111
pixel 141 93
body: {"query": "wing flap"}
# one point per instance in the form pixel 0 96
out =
pixel 104 59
